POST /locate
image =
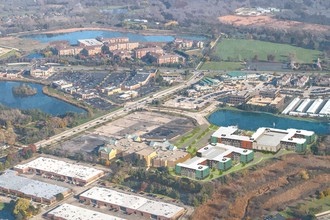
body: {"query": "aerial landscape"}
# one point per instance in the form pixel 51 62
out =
pixel 165 109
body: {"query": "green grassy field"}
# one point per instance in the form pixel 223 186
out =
pixel 222 66
pixel 311 206
pixel 246 49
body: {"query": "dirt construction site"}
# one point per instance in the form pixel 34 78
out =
pixel 147 124
pixel 267 188
pixel 267 21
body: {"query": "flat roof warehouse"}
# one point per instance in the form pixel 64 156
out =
pixel 9 180
pixel 133 202
pixel 71 212
pixel 62 168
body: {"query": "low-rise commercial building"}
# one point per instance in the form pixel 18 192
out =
pixel 35 190
pixel 71 212
pixel 138 80
pixel 42 71
pixel 238 98
pixel 77 174
pixel 62 84
pixel 131 204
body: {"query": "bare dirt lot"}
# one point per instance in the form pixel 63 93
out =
pixel 21 43
pixel 269 187
pixel 149 124
pixel 269 22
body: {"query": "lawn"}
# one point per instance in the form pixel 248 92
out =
pixel 240 49
pixel 311 206
pixel 2 206
pixel 222 65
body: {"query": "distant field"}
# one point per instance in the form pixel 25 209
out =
pixel 222 66
pixel 247 49
pixel 4 51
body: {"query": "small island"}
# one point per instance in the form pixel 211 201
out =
pixel 24 90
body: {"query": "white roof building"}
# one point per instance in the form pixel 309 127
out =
pixel 71 212
pixel 132 202
pixel 61 168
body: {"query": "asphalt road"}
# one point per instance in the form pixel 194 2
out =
pixel 118 113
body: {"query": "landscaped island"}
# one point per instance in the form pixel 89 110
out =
pixel 24 90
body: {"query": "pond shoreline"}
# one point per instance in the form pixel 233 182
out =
pixel 247 120
pixel 59 97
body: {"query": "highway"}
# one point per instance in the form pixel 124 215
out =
pixel 118 113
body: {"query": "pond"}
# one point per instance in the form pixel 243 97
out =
pixel 39 101
pixel 254 120
pixel 73 37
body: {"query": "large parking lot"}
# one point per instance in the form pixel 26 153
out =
pixel 85 80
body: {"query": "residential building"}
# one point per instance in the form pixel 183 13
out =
pixel 114 40
pixel 195 168
pixel 218 156
pixel 68 50
pixel 139 53
pixel 165 58
pixel 271 139
pixel 229 136
pixel 93 50
pixel 123 46
pixel 265 139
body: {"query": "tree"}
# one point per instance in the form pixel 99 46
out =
pixel 255 58
pixel 21 206
pixel 271 57
pixel 59 197
pixel 7 164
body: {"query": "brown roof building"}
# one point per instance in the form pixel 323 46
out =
pixel 139 53
pixel 165 58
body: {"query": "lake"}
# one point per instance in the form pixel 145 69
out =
pixel 39 101
pixel 72 37
pixel 254 120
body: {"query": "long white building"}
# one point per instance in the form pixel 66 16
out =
pixel 77 174
pixel 303 105
pixel 291 106
pixel 325 111
pixel 314 107
pixel 131 204
pixel 71 212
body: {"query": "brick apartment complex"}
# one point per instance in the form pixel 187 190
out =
pixel 139 53
pixel 165 58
